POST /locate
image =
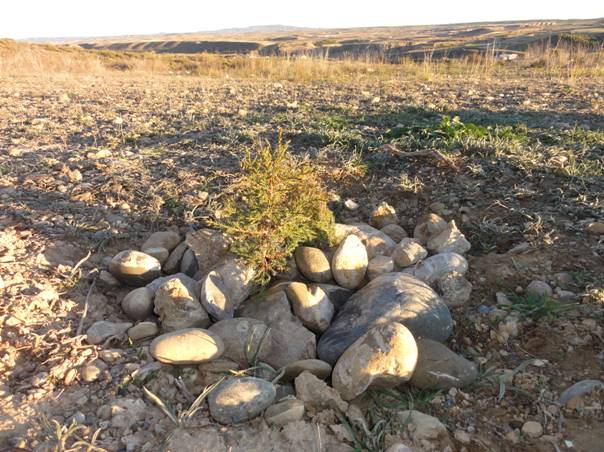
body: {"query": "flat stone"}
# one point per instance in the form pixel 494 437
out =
pixel 380 265
pixel 240 399
pixel 438 266
pixel 177 307
pixel 440 368
pixel 162 239
pixel 134 268
pixel 102 330
pixel 313 308
pixel 383 357
pixel 394 297
pixel 214 297
pixel 143 330
pixel 383 215
pixel 395 232
pixel 317 395
pixel 313 264
pixel 450 240
pixel 408 252
pixel 428 226
pixel 138 304
pixel 188 346
pixel 284 412
pixel 318 368
pixel 349 262
pixel 172 264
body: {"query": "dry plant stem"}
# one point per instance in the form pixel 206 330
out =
pixel 423 153
pixel 81 324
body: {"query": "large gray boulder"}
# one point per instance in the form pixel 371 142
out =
pixel 394 297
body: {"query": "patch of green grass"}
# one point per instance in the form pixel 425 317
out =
pixel 406 398
pixel 536 307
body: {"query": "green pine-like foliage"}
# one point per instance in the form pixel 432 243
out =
pixel 276 203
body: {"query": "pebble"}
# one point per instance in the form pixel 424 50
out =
pixel 313 264
pixel 350 204
pixel 595 228
pixel 539 289
pixel 379 265
pixel 284 412
pixel 134 268
pixel 100 331
pixel 532 429
pixel 138 304
pixel 383 215
pixel 318 368
pixel 395 232
pixel 240 399
pixel 188 346
pixel 162 239
pixel 108 279
pixel 312 307
pixel 90 373
pixel 143 330
pixel 317 395
pixel 408 252
pixel 385 356
pixel 422 426
pixel 178 308
pixel 349 262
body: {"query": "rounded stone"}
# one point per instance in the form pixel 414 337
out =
pixel 383 357
pixel 188 264
pixel 159 253
pixel 311 305
pixel 394 297
pixel 454 289
pixel 379 265
pixel 90 373
pixel 313 264
pixel 143 330
pixel 318 368
pixel 349 263
pixel 383 215
pixel 428 226
pixel 450 240
pixel 376 242
pixel 408 252
pixel 138 304
pixel 240 399
pixel 134 268
pixel 539 289
pixel 440 265
pixel 532 429
pixel 395 232
pixel 440 368
pixel 102 330
pixel 188 346
pixel 243 338
pixel 284 412
pixel 162 239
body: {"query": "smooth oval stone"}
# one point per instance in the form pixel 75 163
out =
pixel 313 264
pixel 394 297
pixel 383 357
pixel 312 307
pixel 102 330
pixel 138 304
pixel 440 265
pixel 172 265
pixel 134 268
pixel 162 239
pixel 318 368
pixel 408 252
pixel 240 399
pixel 188 346
pixel 284 412
pixel 349 262
pixel 440 368
pixel 376 242
pixel 395 232
pixel 143 330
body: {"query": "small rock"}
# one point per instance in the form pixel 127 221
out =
pixel 177 307
pixel 450 240
pixel 564 279
pixel 437 207
pixel 240 399
pixel 317 395
pixel 126 412
pixel 579 389
pixel 313 308
pixel 214 297
pixel 172 264
pixel 143 330
pixel 162 239
pixel 188 346
pixel 351 205
pixel 383 215
pixel 439 368
pixel 502 299
pixel 422 426
pixel 108 279
pixel 349 263
pixel 90 373
pixel 138 304
pixel 438 266
pixel 134 268
pixel 313 264
pixel 318 368
pixel 336 294
pixel 188 264
pixel 428 226
pixel 539 289
pixel 398 447
pixel 237 278
pixel 102 330
pixel 242 338
pixel 383 357
pixel 268 306
pixel 209 248
pixel 408 252
pixel 454 289
pixel 376 242
pixel 395 232
pixel 211 372
pixel 532 429
pixel 595 228
pixel 284 412
pixel 379 265
pixel 462 436
pixel 191 285
pixel 161 254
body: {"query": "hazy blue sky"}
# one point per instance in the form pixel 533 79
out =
pixel 67 18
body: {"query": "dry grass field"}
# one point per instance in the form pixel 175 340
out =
pixel 100 148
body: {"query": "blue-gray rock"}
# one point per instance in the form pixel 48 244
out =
pixel 394 297
pixel 240 399
pixel 578 389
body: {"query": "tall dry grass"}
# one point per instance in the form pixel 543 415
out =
pixel 560 61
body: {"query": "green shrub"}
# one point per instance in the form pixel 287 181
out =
pixel 276 203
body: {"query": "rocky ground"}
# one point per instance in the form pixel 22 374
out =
pixel 92 166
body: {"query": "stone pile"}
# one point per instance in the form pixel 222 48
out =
pixel 372 312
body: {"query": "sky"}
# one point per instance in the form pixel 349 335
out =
pixel 21 19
